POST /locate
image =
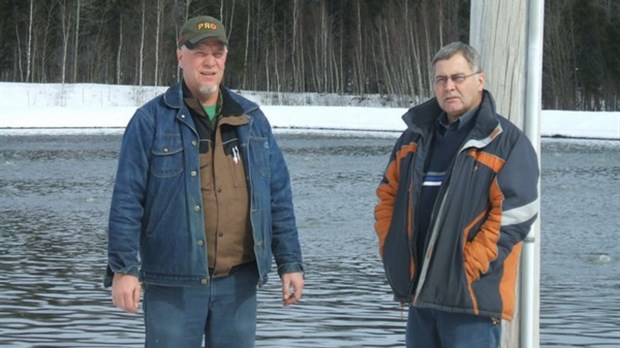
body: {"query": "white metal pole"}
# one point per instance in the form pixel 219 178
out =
pixel 530 261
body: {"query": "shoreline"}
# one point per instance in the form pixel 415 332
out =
pixel 25 131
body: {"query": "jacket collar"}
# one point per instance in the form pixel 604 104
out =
pixel 173 98
pixel 422 118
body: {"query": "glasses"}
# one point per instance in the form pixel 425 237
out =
pixel 456 78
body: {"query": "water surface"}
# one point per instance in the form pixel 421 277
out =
pixel 54 198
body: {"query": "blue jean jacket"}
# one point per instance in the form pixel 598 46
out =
pixel 156 227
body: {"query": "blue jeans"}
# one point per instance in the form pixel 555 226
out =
pixel 428 328
pixel 223 312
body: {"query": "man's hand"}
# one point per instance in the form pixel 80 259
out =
pixel 295 282
pixel 126 292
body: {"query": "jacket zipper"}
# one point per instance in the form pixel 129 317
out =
pixel 440 212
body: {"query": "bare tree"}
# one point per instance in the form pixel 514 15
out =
pixel 76 39
pixel 347 46
pixel 142 33
pixel 297 54
pixel 66 18
pixel 160 6
pixel 414 44
pixel 560 65
pixel 185 17
pixel 119 51
pixel 19 49
pixel 29 45
pixel 44 43
pixel 358 48
pixel 229 19
pixel 247 43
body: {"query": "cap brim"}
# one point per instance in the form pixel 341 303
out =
pixel 191 44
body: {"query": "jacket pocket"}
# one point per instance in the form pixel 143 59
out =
pixel 167 155
pixel 259 155
pixel 396 262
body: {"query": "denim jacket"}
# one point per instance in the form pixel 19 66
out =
pixel 156 227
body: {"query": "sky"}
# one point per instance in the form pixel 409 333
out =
pixel 25 107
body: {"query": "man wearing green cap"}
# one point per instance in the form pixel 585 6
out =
pixel 201 205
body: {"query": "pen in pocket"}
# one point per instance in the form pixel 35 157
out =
pixel 235 154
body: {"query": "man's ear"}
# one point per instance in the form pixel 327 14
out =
pixel 179 56
pixel 481 80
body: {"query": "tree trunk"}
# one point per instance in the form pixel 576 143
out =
pixel 29 47
pixel 341 73
pixel 66 24
pixel 297 54
pixel 119 52
pixel 142 33
pixel 560 65
pixel 160 6
pixel 359 68
pixel 19 51
pixel 229 23
pixel 247 46
pixel 43 54
pixel 76 41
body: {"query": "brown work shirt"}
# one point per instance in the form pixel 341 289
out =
pixel 224 190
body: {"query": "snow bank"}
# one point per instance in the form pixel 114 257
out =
pixel 25 105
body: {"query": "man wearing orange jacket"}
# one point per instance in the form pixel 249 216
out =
pixel 457 198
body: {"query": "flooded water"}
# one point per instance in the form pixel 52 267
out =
pixel 55 194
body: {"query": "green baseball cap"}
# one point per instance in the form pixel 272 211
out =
pixel 200 28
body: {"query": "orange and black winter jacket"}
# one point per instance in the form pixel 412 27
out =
pixel 484 209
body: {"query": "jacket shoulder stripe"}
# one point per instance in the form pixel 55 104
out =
pixel 520 214
pixel 480 143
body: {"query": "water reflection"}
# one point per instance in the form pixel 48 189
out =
pixel 55 194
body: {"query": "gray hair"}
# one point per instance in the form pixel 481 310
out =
pixel 469 53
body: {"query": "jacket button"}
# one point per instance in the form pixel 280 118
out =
pixel 165 149
pixel 193 173
pixel 200 242
pixel 182 116
pixel 221 234
pixel 197 208
pixel 194 143
pixel 204 281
